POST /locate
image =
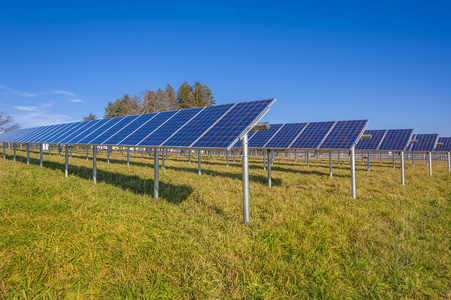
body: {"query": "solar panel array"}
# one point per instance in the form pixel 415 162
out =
pixel 334 135
pixel 212 127
pixel 426 143
pixel 386 140
pixel 446 147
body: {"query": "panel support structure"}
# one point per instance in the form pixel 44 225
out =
pixel 108 150
pixel 15 152
pixel 189 155
pixel 369 163
pixel 393 153
pixel 330 163
pixel 244 143
pixel 353 172
pixel 66 168
pixel 87 152
pixel 199 158
pixel 155 184
pixel 162 158
pixel 307 157
pixel 4 150
pixel 402 167
pixel 40 153
pixel 339 162
pixel 449 156
pixel 430 163
pixel 269 169
pixel 264 159
pixel 28 154
pixel 128 156
pixel 94 164
pixel 227 158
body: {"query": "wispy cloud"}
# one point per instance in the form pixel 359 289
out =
pixel 76 101
pixel 57 92
pixel 13 92
pixel 39 116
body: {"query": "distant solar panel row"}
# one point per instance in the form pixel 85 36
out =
pixel 425 143
pixel 339 135
pixel 216 127
pixel 446 147
pixel 386 140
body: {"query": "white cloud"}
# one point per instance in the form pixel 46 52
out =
pixel 11 92
pixel 57 92
pixel 26 108
pixel 76 101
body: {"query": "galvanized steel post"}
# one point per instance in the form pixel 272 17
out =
pixel 128 156
pixel 66 169
pixel 330 163
pixel 14 151
pixel 430 163
pixel 94 164
pixel 199 158
pixel 402 167
pixel 40 153
pixel 449 163
pixel 155 184
pixel 353 172
pixel 369 163
pixel 245 179
pixel 28 154
pixel 269 168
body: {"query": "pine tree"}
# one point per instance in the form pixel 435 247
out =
pixel 90 117
pixel 114 109
pixel 185 97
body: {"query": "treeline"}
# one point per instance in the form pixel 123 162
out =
pixel 146 101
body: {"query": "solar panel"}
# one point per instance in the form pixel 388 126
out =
pixel 148 128
pixel 42 132
pixel 194 129
pixel 239 120
pixel 312 136
pixel 285 136
pixel 166 130
pixel 120 135
pixel 100 127
pixel 446 147
pixel 262 137
pixel 32 133
pixel 426 143
pixel 88 128
pixel 23 133
pixel 67 136
pixel 102 137
pixel 372 144
pixel 52 136
pixel 396 140
pixel 344 135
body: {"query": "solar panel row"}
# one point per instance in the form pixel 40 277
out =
pixel 425 143
pixel 339 135
pixel 386 140
pixel 446 144
pixel 215 127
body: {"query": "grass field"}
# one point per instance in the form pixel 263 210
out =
pixel 307 238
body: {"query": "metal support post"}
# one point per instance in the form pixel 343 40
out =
pixel 449 156
pixel 233 155
pixel 40 153
pixel 199 158
pixel 430 163
pixel 50 150
pixel 330 163
pixel 317 155
pixel 295 155
pixel 4 150
pixel 339 161
pixel 128 156
pixel 245 179
pixel 380 157
pixel 307 157
pixel 369 163
pixel 393 153
pixel 269 168
pixel 108 149
pixel 66 169
pixel 402 167
pixel 353 172
pixel 94 164
pixel 14 152
pixel 227 158
pixel 28 154
pixel 155 184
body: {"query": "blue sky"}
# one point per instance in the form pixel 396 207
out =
pixel 387 61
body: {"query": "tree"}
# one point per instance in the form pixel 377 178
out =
pixel 194 96
pixel 114 109
pixel 7 122
pixel 90 117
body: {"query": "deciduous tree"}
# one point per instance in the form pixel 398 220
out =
pixel 7 122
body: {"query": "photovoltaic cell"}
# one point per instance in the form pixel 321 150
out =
pixel 312 136
pixel 285 136
pixel 100 127
pixel 27 133
pixel 167 129
pixel 261 137
pixel 54 137
pixel 148 128
pixel 194 129
pixel 91 126
pixel 374 142
pixel 446 147
pixel 33 133
pixel 130 128
pixel 240 118
pixel 73 132
pixel 42 132
pixel 344 135
pixel 426 143
pixel 112 130
pixel 396 140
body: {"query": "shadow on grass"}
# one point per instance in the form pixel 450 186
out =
pixel 175 194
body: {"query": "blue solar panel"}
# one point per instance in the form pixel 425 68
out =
pixel 396 140
pixel 148 128
pixel 112 130
pixel 170 127
pixel 426 143
pixel 10 135
pixel 130 128
pixel 312 136
pixel 286 136
pixel 261 138
pixel 90 127
pixel 239 119
pixel 55 129
pixel 64 139
pixel 446 147
pixel 51 138
pixel 42 132
pixel 194 129
pixel 373 143
pixel 33 132
pixel 85 137
pixel 344 135
pixel 24 134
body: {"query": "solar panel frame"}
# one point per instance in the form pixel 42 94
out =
pixel 262 137
pixel 91 124
pixel 396 140
pixel 64 139
pixel 35 131
pixel 52 138
pixel 112 137
pixel 21 135
pixel 286 136
pixel 47 130
pixel 311 140
pixel 426 143
pixel 52 129
pixel 373 144
pixel 344 135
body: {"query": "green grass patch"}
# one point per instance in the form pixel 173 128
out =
pixel 307 238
